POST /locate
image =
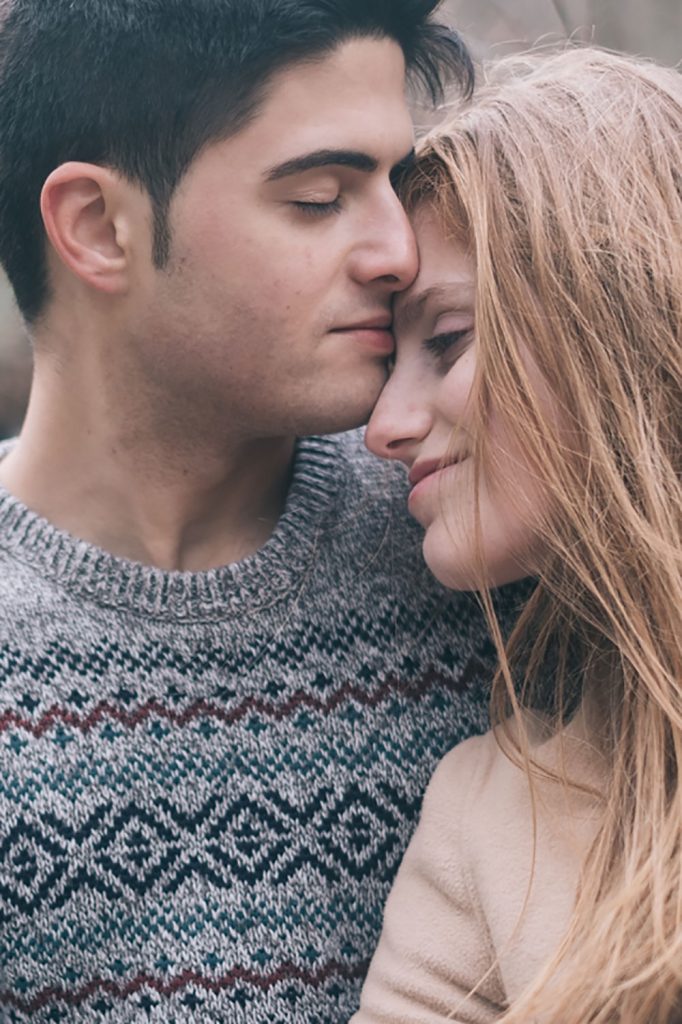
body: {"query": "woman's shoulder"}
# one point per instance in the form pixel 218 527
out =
pixel 482 768
pixel 518 846
pixel 472 776
pixel 482 800
pixel 452 917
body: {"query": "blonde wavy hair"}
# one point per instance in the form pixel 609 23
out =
pixel 564 177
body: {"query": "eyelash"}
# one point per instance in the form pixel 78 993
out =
pixel 318 209
pixel 441 344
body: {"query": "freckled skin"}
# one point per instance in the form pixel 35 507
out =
pixel 422 416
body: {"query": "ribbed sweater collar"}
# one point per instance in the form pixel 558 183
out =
pixel 271 575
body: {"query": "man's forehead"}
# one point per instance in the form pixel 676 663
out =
pixel 347 116
pixel 351 85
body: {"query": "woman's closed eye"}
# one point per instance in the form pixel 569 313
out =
pixel 447 345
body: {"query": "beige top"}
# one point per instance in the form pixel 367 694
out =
pixel 454 915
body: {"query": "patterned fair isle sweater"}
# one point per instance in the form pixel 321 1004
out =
pixel 207 781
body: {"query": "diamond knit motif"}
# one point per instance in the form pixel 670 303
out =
pixel 207 781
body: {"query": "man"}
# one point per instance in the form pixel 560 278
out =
pixel 225 677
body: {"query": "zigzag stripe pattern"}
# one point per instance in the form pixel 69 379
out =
pixel 263 982
pixel 206 786
pixel 298 701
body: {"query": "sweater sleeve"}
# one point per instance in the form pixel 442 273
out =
pixel 435 946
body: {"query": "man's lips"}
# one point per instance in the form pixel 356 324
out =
pixel 377 323
pixel 373 334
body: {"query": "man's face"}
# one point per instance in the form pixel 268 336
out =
pixel 288 245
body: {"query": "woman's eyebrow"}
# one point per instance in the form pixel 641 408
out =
pixel 408 311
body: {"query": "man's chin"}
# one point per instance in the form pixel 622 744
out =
pixel 336 413
pixel 338 421
pixel 340 425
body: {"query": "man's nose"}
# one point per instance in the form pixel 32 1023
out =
pixel 398 425
pixel 388 253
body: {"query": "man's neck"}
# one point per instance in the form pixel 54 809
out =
pixel 189 507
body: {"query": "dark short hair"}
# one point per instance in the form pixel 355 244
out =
pixel 143 85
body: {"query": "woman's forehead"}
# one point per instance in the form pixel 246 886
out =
pixel 447 274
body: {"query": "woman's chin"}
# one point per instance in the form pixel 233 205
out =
pixel 454 565
pixel 455 573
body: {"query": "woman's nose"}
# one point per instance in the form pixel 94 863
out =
pixel 397 426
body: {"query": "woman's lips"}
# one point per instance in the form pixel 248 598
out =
pixel 428 467
pixel 425 475
pixel 423 469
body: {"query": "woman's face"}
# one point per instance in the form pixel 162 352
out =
pixel 422 418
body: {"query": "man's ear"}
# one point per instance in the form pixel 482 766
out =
pixel 87 218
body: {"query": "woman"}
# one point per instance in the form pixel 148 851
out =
pixel 536 399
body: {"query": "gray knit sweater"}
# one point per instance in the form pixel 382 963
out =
pixel 207 781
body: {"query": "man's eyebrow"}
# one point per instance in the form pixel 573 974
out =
pixel 352 158
pixel 410 309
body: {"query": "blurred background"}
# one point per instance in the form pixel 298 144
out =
pixel 651 28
